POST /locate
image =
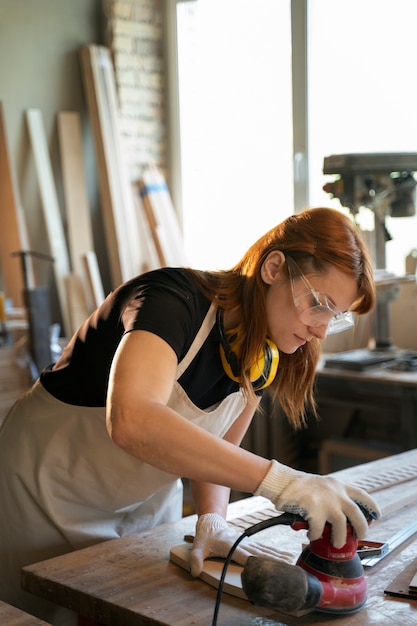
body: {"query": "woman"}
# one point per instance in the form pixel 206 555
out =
pixel 162 382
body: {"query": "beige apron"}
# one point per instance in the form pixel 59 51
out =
pixel 65 485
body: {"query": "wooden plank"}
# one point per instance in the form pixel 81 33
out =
pixel 51 210
pixel 79 230
pixel 78 309
pixel 92 272
pixel 212 569
pixel 162 218
pixel 11 616
pixel 13 231
pixel 149 244
pixel 385 472
pixel 123 236
pixel 401 586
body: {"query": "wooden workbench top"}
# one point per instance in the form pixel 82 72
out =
pixel 377 374
pixel 131 581
pixel 10 616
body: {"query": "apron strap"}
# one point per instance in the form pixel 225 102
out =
pixel 199 339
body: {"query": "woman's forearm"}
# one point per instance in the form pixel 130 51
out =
pixel 167 441
pixel 209 498
pixel 140 421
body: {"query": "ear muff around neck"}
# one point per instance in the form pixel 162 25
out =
pixel 262 372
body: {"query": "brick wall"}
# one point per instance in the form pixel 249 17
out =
pixel 134 34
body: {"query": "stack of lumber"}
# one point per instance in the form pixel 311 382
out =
pixel 140 224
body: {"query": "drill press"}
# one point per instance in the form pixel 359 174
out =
pixel 384 183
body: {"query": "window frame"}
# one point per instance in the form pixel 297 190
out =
pixel 299 103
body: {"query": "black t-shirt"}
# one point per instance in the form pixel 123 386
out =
pixel 165 302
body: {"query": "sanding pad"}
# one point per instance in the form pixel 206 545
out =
pixel 282 537
pixel 212 570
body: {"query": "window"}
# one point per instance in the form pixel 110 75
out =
pixel 361 95
pixel 235 111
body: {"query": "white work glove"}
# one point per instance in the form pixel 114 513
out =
pixel 214 538
pixel 318 499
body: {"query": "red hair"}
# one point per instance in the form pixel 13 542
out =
pixel 314 238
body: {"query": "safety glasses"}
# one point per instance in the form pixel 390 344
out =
pixel 314 308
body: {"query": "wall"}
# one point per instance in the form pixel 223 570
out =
pixel 39 68
pixel 134 33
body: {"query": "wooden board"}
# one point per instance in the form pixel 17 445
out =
pixel 122 230
pixel 212 570
pixel 79 229
pixel 386 472
pixel 78 309
pixel 51 210
pixel 13 231
pixel 280 536
pixel 92 273
pixel 400 586
pixel 10 616
pixel 162 219
pixel 393 484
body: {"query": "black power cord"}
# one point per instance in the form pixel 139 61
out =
pixel 286 519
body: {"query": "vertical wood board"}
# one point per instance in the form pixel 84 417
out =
pixel 79 230
pixel 13 230
pixel 119 216
pixel 52 215
pixel 162 218
pixel 78 309
pixel 92 272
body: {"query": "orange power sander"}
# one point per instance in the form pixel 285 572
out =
pixel 324 578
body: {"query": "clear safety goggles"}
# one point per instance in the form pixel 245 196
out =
pixel 314 308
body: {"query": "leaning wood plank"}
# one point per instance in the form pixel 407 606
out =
pixel 53 220
pixel 162 218
pixel 78 309
pixel 79 230
pixel 119 217
pixel 150 242
pixel 92 272
pixel 13 231
pixel 152 222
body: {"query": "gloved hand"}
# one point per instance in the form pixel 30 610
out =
pixel 214 537
pixel 319 499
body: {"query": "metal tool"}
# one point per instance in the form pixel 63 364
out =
pixel 393 543
pixel 38 311
pixel 367 549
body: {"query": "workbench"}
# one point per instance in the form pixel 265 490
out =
pixel 131 582
pixel 375 409
pixel 10 616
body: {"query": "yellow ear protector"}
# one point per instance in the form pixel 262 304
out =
pixel 262 372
